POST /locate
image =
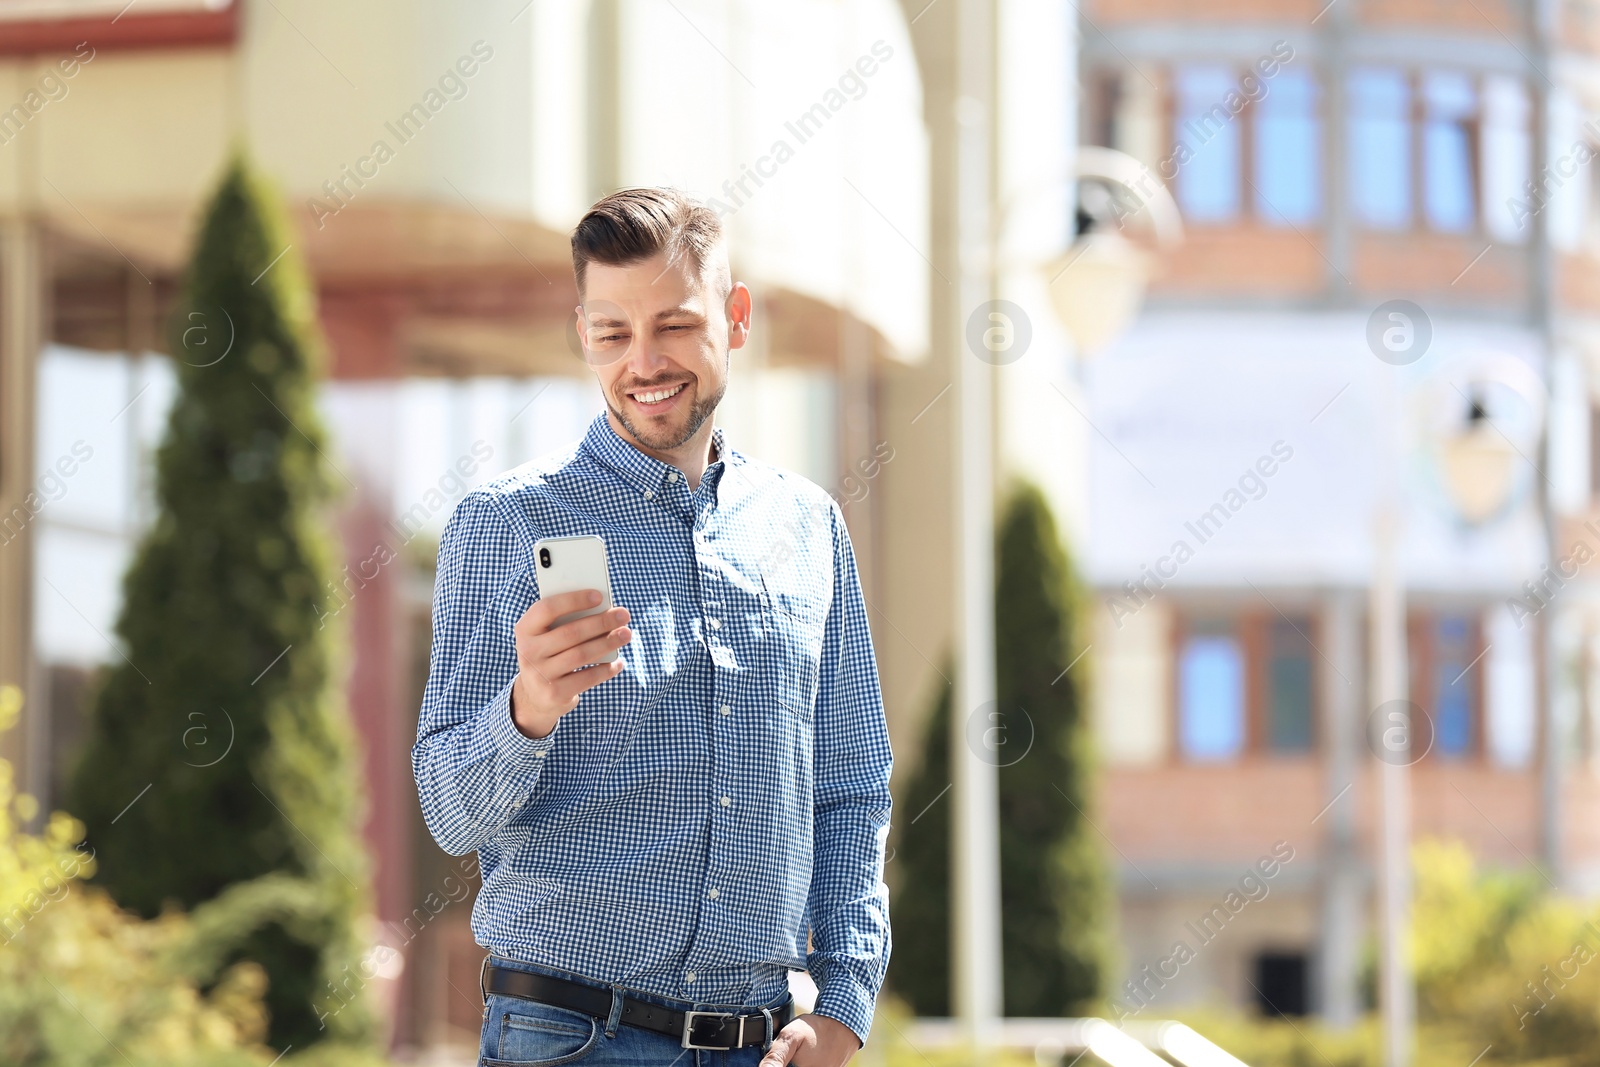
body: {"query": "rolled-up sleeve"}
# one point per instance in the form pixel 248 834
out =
pixel 849 902
pixel 474 768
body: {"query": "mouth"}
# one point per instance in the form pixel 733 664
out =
pixel 657 399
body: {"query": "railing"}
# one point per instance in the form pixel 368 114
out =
pixel 1137 1044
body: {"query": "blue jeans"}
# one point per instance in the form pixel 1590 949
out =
pixel 530 1033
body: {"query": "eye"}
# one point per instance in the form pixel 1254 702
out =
pixel 679 326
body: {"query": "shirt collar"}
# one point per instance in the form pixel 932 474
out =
pixel 647 472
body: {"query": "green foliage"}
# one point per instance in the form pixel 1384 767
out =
pixel 219 755
pixel 919 874
pixel 1055 890
pixel 1504 968
pixel 1055 893
pixel 85 984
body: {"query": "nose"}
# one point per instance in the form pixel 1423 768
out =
pixel 645 358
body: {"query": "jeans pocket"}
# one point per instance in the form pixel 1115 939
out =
pixel 527 1033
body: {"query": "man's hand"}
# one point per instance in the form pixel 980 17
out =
pixel 812 1041
pixel 549 681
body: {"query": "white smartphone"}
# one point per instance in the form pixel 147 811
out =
pixel 568 564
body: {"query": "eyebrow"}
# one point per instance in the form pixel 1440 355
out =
pixel 674 312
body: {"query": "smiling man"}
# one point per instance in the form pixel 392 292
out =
pixel 662 837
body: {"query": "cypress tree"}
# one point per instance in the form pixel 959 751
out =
pixel 1054 887
pixel 220 771
pixel 919 873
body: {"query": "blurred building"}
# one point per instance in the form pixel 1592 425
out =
pixel 433 159
pixel 1328 159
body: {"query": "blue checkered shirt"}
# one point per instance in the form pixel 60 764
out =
pixel 683 828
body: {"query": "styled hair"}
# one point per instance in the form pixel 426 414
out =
pixel 634 224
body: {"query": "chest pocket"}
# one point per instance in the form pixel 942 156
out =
pixel 792 625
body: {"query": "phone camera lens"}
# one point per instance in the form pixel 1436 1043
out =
pixel 544 557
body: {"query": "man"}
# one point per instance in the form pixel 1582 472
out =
pixel 665 836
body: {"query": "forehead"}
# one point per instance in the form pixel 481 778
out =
pixel 646 284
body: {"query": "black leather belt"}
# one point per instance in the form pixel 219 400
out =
pixel 692 1028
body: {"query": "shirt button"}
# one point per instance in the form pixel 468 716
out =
pixel 724 801
pixel 540 754
pixel 689 977
pixel 712 894
pixel 672 476
pixel 725 710
pixel 716 624
pixel 649 494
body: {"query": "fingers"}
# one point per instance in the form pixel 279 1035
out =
pixel 569 687
pixel 546 642
pixel 781 1051
pixel 591 651
pixel 542 613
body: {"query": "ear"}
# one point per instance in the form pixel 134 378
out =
pixel 740 309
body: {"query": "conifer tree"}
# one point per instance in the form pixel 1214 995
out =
pixel 221 772
pixel 1054 887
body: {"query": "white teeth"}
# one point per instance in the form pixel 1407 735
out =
pixel 657 396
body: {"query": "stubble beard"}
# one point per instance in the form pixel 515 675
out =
pixel 666 440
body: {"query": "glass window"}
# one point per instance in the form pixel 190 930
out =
pixel 1379 148
pixel 1506 161
pixel 1208 177
pixel 1289 697
pixel 1448 147
pixel 1288 156
pixel 1211 692
pixel 1453 685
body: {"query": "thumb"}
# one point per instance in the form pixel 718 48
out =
pixel 780 1052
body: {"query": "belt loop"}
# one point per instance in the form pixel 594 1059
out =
pixel 615 1017
pixel 768 1042
pixel 483 987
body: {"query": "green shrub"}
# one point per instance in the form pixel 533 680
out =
pixel 84 984
pixel 1054 886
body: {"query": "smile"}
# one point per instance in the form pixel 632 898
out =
pixel 656 396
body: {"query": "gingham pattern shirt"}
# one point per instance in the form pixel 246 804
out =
pixel 683 827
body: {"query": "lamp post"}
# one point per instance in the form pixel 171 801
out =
pixel 1473 411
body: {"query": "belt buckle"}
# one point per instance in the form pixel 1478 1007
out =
pixel 688 1028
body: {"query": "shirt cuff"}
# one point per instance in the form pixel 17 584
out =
pixel 841 998
pixel 511 743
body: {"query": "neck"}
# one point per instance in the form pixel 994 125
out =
pixel 692 457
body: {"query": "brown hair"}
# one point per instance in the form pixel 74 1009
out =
pixel 634 224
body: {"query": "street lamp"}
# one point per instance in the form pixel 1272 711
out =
pixel 1473 412
pixel 1097 284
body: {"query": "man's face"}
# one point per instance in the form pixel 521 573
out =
pixel 657 338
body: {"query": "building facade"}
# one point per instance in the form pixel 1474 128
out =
pixel 1378 198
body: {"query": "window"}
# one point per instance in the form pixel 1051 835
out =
pixel 1446 668
pixel 1449 148
pixel 1507 161
pixel 1288 688
pixel 1288 151
pixel 1211 692
pixel 1208 179
pixel 1379 148
pixel 1455 642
